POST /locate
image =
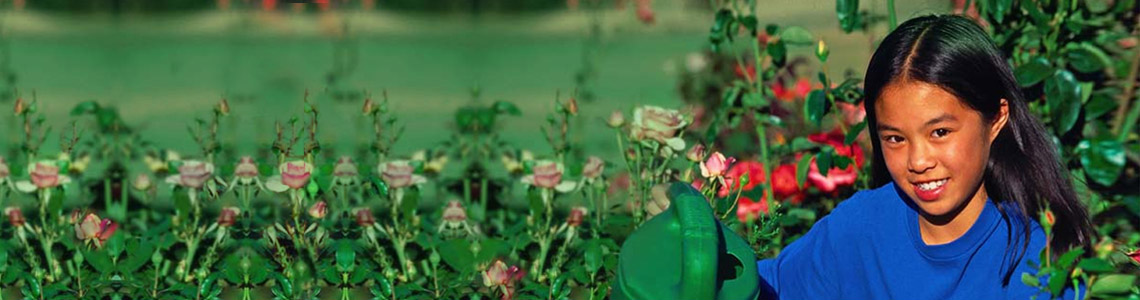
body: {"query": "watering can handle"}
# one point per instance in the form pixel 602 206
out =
pixel 698 242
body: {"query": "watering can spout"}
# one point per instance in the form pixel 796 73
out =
pixel 685 253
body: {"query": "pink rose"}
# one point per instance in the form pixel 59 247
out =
pixel 499 276
pixel 658 124
pixel 45 174
pixel 193 174
pixel 228 216
pixel 345 168
pixel 94 229
pixel 15 217
pixel 852 114
pixel 246 168
pixel 835 177
pixel 4 171
pixel 295 174
pixel 364 217
pixel 616 119
pixel 1135 255
pixel 548 175
pixel 143 182
pixel 319 210
pixel 399 174
pixel 716 165
pixel 696 153
pixel 594 167
pixel 454 212
pixel 576 215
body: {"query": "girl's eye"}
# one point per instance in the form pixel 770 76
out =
pixel 893 139
pixel 941 132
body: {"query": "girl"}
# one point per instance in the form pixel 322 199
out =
pixel 964 170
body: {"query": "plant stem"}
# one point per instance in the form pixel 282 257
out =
pixel 891 18
pixel 1123 124
pixel 761 133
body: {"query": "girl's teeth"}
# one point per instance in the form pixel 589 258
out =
pixel 931 185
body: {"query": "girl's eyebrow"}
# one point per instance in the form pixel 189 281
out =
pixel 945 117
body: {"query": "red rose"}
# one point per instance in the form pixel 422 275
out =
pixel 754 170
pixel 784 183
pixel 748 210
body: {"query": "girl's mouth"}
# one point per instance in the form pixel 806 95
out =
pixel 930 190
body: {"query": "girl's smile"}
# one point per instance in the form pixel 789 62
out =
pixel 936 148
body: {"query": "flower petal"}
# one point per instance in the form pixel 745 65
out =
pixel 274 184
pixel 676 143
pixel 566 186
pixel 174 179
pixel 25 186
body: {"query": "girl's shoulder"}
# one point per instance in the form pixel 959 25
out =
pixel 878 210
pixel 870 204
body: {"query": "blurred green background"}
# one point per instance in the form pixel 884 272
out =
pixel 164 63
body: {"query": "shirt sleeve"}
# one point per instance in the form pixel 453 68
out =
pixel 804 269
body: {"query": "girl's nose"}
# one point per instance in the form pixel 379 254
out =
pixel 919 159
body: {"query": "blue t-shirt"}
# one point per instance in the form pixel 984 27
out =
pixel 870 247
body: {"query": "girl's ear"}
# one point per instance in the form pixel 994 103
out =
pixel 1000 120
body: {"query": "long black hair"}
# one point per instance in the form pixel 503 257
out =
pixel 1024 173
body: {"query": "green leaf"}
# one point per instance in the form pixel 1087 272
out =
pixel 1103 159
pixel 1086 58
pixel 1001 7
pixel 754 100
pixel 593 255
pixel 1113 284
pixel 848 13
pixel 504 107
pixel 1063 97
pixel 802 169
pixel 1030 280
pixel 1057 280
pixel 182 201
pixel 457 254
pixel 1033 71
pixel 1066 260
pixel 779 53
pixel 797 36
pixel 345 255
pixel 823 161
pixel 98 260
pixel 816 106
pixel 853 132
pixel 751 23
pixel 1098 105
pixel 1096 265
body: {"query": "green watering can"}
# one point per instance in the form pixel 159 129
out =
pixel 685 253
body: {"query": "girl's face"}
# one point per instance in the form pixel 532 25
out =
pixel 935 146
